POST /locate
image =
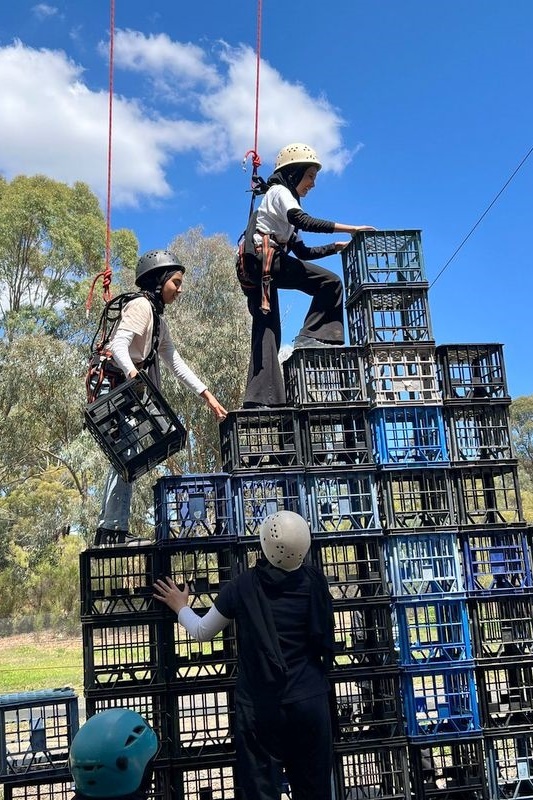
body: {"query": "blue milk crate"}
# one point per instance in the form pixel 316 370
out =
pixel 497 561
pixel 257 496
pixel 416 499
pixel 440 702
pixel 472 372
pixel 135 427
pixel 409 436
pixel 119 581
pixel 371 771
pixel 488 494
pixel 396 374
pixel 36 731
pixel 502 627
pixel 425 564
pixel 324 375
pixel 433 632
pixel 261 439
pixel 342 502
pixel 389 315
pixel 190 506
pixel 335 437
pixel 506 696
pixel 447 770
pixel 368 707
pixel 510 765
pixel 377 258
pixel 364 637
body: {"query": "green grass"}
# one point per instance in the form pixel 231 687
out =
pixel 43 660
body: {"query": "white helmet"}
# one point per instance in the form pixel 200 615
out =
pixel 285 539
pixel 297 153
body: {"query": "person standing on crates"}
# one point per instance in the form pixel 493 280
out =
pixel 265 265
pixel 137 340
pixel 284 622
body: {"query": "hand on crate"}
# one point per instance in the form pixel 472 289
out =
pixel 174 596
pixel 217 408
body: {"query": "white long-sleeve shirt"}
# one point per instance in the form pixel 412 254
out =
pixel 202 628
pixel 131 343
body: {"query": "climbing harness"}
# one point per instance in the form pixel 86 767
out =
pixel 103 375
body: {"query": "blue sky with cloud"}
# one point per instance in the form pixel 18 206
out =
pixel 420 112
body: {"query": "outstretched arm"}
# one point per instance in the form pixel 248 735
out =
pixel 200 628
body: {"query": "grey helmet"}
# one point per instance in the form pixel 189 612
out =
pixel 156 260
pixel 285 539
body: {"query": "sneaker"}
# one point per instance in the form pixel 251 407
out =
pixel 308 341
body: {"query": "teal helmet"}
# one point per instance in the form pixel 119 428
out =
pixel 110 754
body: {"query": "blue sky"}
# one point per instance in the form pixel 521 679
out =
pixel 420 110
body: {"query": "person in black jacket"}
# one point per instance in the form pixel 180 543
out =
pixel 284 622
pixel 270 267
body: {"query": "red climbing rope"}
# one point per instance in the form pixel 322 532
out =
pixel 256 160
pixel 106 274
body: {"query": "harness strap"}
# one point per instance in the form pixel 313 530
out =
pixel 266 277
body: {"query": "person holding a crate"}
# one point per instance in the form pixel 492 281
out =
pixel 139 335
pixel 265 265
pixel 284 623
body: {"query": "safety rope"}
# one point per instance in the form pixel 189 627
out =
pixel 256 160
pixel 106 274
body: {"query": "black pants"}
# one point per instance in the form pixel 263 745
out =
pixel 296 737
pixel 324 321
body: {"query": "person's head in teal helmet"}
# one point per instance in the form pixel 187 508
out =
pixel 111 756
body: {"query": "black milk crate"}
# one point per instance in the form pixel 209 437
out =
pixel 453 770
pixel 497 561
pixel 488 494
pixel 135 427
pixel 440 702
pixel 320 376
pixel 399 374
pixel 342 502
pixel 36 731
pixel 472 371
pixel 377 258
pixel 207 779
pixel 506 695
pixel 261 439
pixel 425 564
pixel 510 766
pixel 363 636
pixel 192 506
pixel 433 632
pixel 417 498
pixel 119 581
pixel 354 566
pixel 158 708
pixel 257 496
pixel 58 786
pixel 387 314
pixel 371 771
pixel 120 654
pixel 478 432
pixel 368 707
pixel 191 662
pixel 502 627
pixel 336 437
pixel 409 436
pixel 204 722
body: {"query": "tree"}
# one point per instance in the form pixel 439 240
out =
pixel 522 433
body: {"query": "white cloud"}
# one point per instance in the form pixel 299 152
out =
pixel 54 124
pixel 43 10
